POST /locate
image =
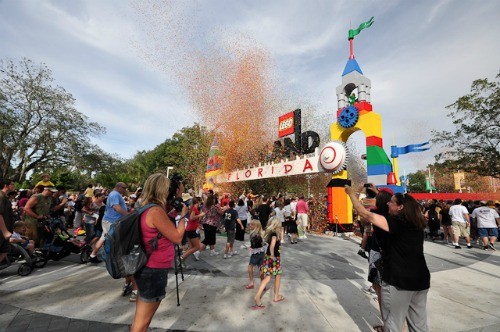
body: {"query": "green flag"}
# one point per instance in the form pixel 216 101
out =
pixel 355 32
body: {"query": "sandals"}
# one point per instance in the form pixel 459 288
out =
pixel 282 298
pixel 257 307
pixel 249 286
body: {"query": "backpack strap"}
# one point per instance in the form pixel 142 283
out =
pixel 153 241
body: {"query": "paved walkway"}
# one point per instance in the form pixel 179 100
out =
pixel 322 282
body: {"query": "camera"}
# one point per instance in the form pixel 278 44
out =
pixel 176 203
pixel 172 199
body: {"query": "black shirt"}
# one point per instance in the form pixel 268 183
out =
pixel 404 261
pixel 230 216
pixel 276 246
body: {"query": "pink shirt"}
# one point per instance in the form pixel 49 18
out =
pixel 302 206
pixel 163 256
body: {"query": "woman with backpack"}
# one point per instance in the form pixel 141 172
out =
pixel 159 235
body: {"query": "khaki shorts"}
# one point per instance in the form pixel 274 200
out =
pixel 459 229
pixel 302 219
pixel 106 226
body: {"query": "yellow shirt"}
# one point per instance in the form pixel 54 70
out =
pixel 89 192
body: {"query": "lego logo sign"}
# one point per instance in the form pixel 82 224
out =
pixel 286 125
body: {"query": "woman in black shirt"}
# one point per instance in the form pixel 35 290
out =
pixel 405 278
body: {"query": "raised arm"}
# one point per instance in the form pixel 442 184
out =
pixel 371 217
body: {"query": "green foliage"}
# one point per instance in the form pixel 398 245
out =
pixel 187 152
pixel 417 182
pixel 474 146
pixel 40 129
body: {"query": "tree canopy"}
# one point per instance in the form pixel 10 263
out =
pixel 40 128
pixel 474 145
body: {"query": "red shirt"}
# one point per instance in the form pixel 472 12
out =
pixel 163 256
pixel 193 224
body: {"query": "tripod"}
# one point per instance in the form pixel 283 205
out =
pixel 176 269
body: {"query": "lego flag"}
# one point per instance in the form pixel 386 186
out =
pixel 364 25
pixel 396 150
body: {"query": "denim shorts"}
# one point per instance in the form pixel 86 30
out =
pixel 257 259
pixel 151 284
pixel 486 232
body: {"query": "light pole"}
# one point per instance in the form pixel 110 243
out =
pixel 168 170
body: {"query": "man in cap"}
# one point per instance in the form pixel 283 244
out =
pixel 37 208
pixel 488 221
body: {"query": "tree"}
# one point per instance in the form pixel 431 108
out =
pixel 40 128
pixel 417 182
pixel 474 146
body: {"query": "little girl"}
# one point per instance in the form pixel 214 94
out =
pixel 257 249
pixel 272 263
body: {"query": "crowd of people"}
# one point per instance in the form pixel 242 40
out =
pixel 251 222
pixel 394 227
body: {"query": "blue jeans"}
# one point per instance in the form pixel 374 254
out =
pixel 89 231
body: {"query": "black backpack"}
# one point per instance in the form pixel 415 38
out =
pixel 123 238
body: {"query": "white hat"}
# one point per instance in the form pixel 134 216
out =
pixel 53 189
pixel 186 197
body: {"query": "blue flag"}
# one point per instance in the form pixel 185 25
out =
pixel 396 150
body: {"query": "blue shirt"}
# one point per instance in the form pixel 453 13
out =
pixel 111 215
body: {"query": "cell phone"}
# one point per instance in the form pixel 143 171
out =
pixel 367 185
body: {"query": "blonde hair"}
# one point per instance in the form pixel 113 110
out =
pixel 155 189
pixel 257 228
pixel 273 227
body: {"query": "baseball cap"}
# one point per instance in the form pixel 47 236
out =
pixel 53 189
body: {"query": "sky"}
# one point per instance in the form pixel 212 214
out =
pixel 121 59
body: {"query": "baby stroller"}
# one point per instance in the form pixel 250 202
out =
pixel 27 263
pixel 58 242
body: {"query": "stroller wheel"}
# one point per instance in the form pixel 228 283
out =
pixel 24 270
pixel 39 261
pixel 85 255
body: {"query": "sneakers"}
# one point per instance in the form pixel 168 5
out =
pixel 485 247
pixel 196 255
pixel 244 246
pixel 94 260
pixel 492 247
pixel 457 246
pixel 234 253
pixel 362 253
pixel 213 253
pixel 469 246
pixel 225 256
pixel 127 289
pixel 133 298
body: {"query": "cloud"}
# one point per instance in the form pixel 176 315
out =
pixel 420 57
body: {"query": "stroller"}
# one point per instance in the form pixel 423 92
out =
pixel 27 263
pixel 58 242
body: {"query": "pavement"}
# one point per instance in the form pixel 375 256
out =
pixel 322 282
